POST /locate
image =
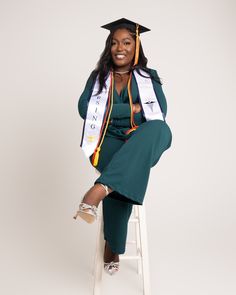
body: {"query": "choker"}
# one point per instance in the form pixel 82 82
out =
pixel 125 72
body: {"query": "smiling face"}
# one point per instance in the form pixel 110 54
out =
pixel 122 49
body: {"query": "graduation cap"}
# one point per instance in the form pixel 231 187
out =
pixel 125 23
pixel 128 24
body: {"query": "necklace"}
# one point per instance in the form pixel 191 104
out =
pixel 121 72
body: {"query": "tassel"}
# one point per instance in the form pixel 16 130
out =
pixel 136 58
pixel 137 47
pixel 96 156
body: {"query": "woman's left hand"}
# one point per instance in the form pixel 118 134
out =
pixel 136 108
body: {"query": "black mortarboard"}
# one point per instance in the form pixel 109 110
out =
pixel 124 23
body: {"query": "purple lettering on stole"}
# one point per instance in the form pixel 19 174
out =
pixel 94 118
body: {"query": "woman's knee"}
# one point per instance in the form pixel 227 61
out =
pixel 155 128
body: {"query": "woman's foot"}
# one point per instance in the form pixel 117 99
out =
pixel 88 206
pixel 111 260
pixel 95 194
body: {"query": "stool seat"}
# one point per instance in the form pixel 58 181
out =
pixel 137 219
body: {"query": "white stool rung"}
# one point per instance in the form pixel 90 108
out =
pixel 131 242
pixel 133 220
pixel 126 257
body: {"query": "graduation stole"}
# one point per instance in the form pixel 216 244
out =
pixel 100 107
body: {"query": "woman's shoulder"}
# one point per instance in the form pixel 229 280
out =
pixel 153 72
pixel 93 75
pixel 91 79
pixel 154 75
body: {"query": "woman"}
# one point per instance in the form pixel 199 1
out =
pixel 124 134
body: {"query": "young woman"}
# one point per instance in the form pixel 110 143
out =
pixel 124 134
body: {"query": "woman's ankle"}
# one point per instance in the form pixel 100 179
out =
pixel 95 194
pixel 109 256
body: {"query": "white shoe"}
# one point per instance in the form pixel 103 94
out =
pixel 111 267
pixel 89 212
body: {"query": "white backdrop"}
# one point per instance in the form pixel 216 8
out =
pixel 48 49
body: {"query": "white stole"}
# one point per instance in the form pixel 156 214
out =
pixel 149 101
pixel 94 118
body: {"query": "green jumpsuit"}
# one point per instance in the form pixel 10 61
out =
pixel 125 160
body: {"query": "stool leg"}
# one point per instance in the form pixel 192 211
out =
pixel 98 261
pixel 144 251
pixel 137 237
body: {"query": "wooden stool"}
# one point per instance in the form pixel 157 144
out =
pixel 139 220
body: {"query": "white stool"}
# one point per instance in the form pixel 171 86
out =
pixel 139 220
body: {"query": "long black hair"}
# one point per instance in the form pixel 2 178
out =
pixel 105 63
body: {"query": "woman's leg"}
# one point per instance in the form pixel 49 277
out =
pixel 116 215
pixel 128 171
pixel 125 167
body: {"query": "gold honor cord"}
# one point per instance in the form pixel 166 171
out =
pixel 132 123
pixel 137 47
pixel 97 150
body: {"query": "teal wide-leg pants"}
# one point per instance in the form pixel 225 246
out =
pixel 125 167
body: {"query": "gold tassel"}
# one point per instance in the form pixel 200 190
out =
pixel 96 156
pixel 137 46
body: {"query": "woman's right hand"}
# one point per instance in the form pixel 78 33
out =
pixel 136 107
